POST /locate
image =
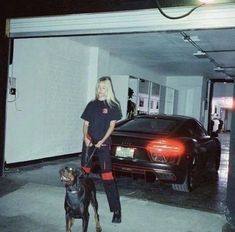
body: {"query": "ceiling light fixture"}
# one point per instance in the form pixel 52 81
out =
pixel 178 17
pixel 206 1
pixel 219 69
pixel 200 54
pixel 203 54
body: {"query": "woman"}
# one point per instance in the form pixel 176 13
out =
pixel 100 116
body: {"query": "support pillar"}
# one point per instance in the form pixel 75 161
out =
pixel 4 56
pixel 230 199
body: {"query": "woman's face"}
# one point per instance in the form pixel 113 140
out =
pixel 101 91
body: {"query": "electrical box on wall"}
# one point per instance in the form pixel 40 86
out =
pixel 12 91
pixel 12 85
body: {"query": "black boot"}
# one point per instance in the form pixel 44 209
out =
pixel 117 217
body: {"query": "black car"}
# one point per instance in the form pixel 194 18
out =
pixel 173 149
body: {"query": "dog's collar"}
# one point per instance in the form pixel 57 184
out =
pixel 73 189
pixel 76 187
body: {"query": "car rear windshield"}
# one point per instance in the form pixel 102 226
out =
pixel 149 125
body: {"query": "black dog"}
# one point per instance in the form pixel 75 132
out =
pixel 80 192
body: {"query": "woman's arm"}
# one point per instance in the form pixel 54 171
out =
pixel 107 134
pixel 85 133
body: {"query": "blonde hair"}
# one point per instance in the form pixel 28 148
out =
pixel 110 97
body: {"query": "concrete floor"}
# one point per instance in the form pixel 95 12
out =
pixel 32 200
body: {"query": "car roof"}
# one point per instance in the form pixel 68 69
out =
pixel 166 116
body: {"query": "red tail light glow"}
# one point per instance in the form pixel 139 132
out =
pixel 166 147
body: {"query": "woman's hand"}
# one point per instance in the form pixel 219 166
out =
pixel 88 142
pixel 99 144
pixel 108 133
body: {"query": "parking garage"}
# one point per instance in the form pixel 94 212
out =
pixel 50 79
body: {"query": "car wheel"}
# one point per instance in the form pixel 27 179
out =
pixel 214 162
pixel 190 179
pixel 217 159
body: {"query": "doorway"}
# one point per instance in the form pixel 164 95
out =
pixel 220 108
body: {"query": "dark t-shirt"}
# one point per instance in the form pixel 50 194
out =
pixel 99 114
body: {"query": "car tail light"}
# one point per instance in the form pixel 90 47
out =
pixel 166 150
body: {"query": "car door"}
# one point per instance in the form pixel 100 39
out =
pixel 204 142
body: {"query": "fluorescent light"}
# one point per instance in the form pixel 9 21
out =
pixel 219 69
pixel 206 1
pixel 200 54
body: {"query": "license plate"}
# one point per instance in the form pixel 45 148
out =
pixel 125 152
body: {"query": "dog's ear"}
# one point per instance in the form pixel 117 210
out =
pixel 61 171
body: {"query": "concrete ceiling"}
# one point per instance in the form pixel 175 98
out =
pixel 168 53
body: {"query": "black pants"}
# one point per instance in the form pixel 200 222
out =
pixel 104 158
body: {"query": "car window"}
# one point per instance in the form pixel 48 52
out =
pixel 192 129
pixel 200 130
pixel 149 125
pixel 185 131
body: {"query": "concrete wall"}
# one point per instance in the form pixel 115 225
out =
pixel 42 119
pixel 189 94
pixel 120 85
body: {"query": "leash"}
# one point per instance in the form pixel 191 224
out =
pixel 90 157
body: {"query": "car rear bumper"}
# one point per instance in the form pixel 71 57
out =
pixel 149 171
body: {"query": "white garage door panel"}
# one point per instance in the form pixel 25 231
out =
pixel 209 16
